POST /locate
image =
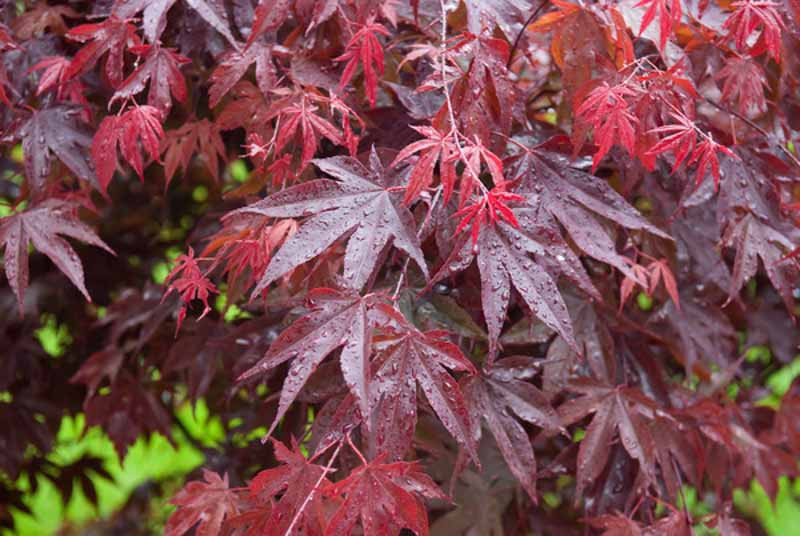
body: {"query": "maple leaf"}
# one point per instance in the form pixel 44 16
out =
pixel 55 76
pixel 137 124
pixel 335 319
pixel 680 138
pixel 705 154
pixel 581 203
pixel 756 15
pixel 754 239
pixel 359 202
pixel 484 96
pixel 365 48
pixel 205 504
pixel 44 225
pixel 154 15
pixel 656 271
pixel 216 19
pixel 508 15
pixel 246 109
pixel 621 409
pixel 269 16
pixel 295 480
pixel 162 68
pixel 127 412
pixel 615 525
pixel 504 386
pixel 607 111
pixel 103 364
pixel 490 208
pixel 384 497
pixel 504 257
pixel 435 147
pixel 297 117
pixel 410 358
pixel 669 16
pixel 200 137
pixel 55 131
pixel 192 284
pixel 744 84
pixel 235 64
pixel 111 36
pixel 42 17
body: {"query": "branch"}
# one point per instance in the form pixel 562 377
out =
pixel 522 31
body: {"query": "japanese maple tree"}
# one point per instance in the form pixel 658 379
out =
pixel 437 267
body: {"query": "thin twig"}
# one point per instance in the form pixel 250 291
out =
pixel 434 201
pixel 522 31
pixel 453 128
pixel 752 125
pixel 327 469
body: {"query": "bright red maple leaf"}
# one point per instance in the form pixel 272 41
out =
pixel 608 112
pixel 297 116
pixel 743 84
pixel 162 69
pixel 138 125
pixel 190 283
pixel 384 497
pixel 750 16
pixel 55 77
pixel 669 15
pixel 435 147
pixel 41 225
pixel 111 36
pixel 364 48
pixel 490 208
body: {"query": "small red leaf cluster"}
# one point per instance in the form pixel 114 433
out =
pixel 400 239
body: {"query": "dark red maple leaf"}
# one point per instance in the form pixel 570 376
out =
pixel 269 15
pixel 235 64
pixel 215 17
pixel 41 17
pixel 44 225
pixel 359 201
pixel 201 138
pixel 127 411
pixel 154 15
pixel 615 525
pixel 504 386
pixel 753 239
pixel 750 16
pixel 580 202
pixel 205 504
pixel 669 15
pixel 620 409
pixel 162 68
pixel 111 36
pixel 335 319
pixel 531 256
pixel 139 124
pixel 410 358
pixel 54 131
pixel 384 497
pixel 364 48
